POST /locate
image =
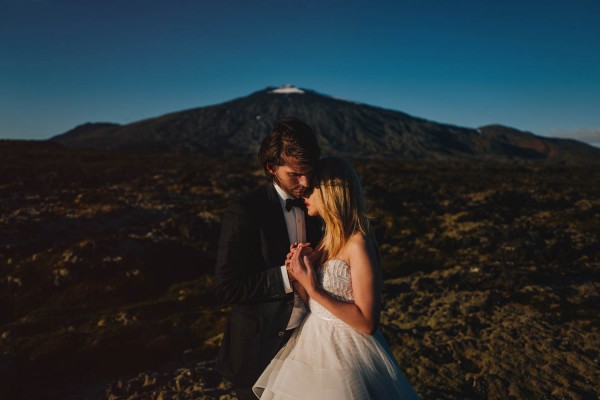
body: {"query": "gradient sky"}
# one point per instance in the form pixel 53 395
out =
pixel 532 65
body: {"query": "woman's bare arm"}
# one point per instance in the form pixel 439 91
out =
pixel 363 314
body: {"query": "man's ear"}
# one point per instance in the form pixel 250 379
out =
pixel 272 168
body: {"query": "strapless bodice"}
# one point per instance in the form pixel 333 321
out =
pixel 335 279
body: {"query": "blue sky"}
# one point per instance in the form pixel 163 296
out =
pixel 532 65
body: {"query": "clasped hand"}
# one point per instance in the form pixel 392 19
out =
pixel 299 265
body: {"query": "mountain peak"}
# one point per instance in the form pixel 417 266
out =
pixel 286 89
pixel 343 128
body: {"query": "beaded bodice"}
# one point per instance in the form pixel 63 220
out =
pixel 334 277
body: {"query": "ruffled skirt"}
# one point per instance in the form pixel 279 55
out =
pixel 327 359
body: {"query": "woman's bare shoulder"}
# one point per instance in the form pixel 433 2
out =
pixel 360 241
pixel 360 246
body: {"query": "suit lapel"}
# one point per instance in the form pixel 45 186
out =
pixel 277 235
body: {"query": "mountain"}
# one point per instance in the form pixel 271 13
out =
pixel 590 136
pixel 344 128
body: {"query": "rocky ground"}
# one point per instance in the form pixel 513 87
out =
pixel 492 274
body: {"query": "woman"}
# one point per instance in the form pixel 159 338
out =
pixel 338 352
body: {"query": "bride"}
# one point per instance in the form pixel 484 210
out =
pixel 338 352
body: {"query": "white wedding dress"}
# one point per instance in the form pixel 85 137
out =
pixel 328 359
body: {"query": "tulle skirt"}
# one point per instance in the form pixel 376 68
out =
pixel 327 359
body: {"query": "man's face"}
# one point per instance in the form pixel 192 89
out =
pixel 292 177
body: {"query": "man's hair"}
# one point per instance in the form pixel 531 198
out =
pixel 289 138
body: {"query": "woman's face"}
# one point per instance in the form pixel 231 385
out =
pixel 313 201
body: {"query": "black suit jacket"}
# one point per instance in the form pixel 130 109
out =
pixel 252 248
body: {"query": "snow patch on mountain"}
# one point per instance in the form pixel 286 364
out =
pixel 285 89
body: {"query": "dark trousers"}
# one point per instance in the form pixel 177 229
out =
pixel 247 393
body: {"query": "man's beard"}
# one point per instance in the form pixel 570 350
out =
pixel 296 191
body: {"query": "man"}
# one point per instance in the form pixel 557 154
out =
pixel 256 235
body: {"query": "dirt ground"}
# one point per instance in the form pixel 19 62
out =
pixel 492 274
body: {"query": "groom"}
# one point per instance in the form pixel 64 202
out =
pixel 256 235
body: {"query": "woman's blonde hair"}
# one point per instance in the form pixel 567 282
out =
pixel 342 205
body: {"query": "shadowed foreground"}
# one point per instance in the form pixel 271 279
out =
pixel 492 274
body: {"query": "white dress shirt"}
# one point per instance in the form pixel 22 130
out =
pixel 294 220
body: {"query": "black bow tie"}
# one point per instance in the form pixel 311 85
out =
pixel 289 203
